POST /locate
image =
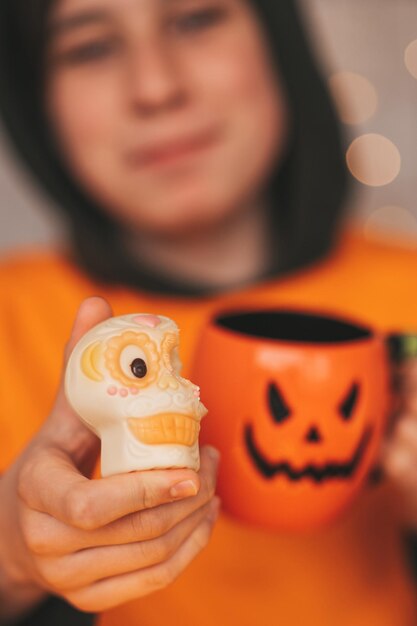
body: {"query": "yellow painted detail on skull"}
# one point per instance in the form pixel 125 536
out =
pixel 167 381
pixel 114 349
pixel 89 361
pixel 169 342
pixel 165 428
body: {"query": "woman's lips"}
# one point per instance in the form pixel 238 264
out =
pixel 172 152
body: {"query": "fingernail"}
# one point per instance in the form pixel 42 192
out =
pixel 184 489
pixel 213 453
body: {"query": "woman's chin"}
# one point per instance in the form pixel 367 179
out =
pixel 180 226
pixel 185 218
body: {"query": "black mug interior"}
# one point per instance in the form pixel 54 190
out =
pixel 292 326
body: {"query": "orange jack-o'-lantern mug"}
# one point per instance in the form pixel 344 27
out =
pixel 298 404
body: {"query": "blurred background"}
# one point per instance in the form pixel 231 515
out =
pixel 368 49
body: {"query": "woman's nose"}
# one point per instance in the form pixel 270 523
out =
pixel 154 78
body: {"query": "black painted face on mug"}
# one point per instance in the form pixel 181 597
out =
pixel 280 412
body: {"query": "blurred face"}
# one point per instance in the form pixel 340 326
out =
pixel 168 112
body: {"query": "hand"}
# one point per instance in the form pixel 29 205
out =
pixel 400 452
pixel 97 543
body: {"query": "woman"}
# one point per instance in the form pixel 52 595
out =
pixel 196 154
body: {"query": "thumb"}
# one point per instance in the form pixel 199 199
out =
pixel 63 424
pixel 91 312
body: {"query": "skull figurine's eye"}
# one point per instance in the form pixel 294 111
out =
pixel 132 359
pixel 139 369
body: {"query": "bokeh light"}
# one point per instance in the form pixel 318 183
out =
pixel 392 219
pixel 374 160
pixel 355 96
pixel 410 58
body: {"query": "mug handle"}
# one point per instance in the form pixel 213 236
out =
pixel 402 347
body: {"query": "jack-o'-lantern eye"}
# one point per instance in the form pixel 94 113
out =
pixel 279 409
pixel 347 407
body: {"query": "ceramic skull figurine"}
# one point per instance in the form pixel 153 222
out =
pixel 123 379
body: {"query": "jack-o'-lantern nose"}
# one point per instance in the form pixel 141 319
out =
pixel 313 435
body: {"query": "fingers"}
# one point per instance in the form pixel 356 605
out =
pixel 406 430
pixel 111 592
pixel 400 464
pixel 400 454
pixel 51 484
pixel 127 558
pixel 407 387
pixel 86 567
pixel 47 536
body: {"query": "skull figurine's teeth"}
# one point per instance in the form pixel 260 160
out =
pixel 166 428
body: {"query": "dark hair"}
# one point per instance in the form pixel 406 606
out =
pixel 307 188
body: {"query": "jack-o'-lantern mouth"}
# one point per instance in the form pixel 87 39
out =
pixel 317 473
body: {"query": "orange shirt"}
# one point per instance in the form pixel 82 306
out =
pixel 352 574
